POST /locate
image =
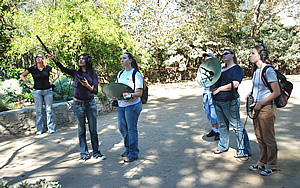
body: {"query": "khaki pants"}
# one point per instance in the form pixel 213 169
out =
pixel 265 134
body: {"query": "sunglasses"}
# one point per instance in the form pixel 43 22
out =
pixel 226 53
pixel 39 56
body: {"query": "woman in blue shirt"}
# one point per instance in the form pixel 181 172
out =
pixel 227 104
pixel 84 105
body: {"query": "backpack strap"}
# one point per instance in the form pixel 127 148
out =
pixel 264 77
pixel 119 75
pixel 133 77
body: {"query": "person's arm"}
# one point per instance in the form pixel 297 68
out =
pixel 94 89
pixel 274 95
pixel 61 67
pixel 23 75
pixel 226 87
pixel 138 93
pixel 57 74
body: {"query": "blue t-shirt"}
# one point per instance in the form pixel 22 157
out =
pixel 234 73
pixel 260 91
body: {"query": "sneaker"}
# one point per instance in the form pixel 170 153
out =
pixel 99 155
pixel 266 172
pixel 217 137
pixel 211 133
pixel 130 159
pixel 38 133
pixel 125 154
pixel 84 158
pixel 256 167
pixel 51 132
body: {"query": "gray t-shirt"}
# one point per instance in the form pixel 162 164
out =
pixel 260 91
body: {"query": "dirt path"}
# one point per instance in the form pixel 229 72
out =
pixel 174 150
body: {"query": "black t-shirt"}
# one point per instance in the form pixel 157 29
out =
pixel 41 78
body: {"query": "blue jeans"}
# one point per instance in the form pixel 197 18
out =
pixel 128 118
pixel 209 108
pixel 229 113
pixel 39 97
pixel 83 111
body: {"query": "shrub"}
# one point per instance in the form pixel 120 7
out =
pixel 10 93
pixel 38 184
pixel 64 89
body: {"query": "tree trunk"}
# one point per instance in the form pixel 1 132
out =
pixel 255 27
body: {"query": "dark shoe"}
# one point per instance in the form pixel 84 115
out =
pixel 256 167
pixel 99 155
pixel 217 137
pixel 130 159
pixel 125 154
pixel 211 133
pixel 84 158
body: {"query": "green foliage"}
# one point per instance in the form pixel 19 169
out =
pixel 102 98
pixel 70 28
pixel 41 183
pixel 283 45
pixel 159 33
pixel 12 95
pixel 3 105
pixel 64 89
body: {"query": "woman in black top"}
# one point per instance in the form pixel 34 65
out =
pixel 42 91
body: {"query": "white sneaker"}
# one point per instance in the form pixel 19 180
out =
pixel 256 167
pixel 266 172
pixel 100 156
pixel 38 133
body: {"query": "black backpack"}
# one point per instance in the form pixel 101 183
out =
pixel 285 86
pixel 144 97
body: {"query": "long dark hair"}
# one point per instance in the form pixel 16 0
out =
pixel 89 64
pixel 133 63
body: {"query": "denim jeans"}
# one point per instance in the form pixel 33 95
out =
pixel 229 113
pixel 128 118
pixel 39 97
pixel 83 111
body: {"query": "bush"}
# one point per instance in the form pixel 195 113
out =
pixel 3 105
pixel 64 89
pixel 10 93
pixel 41 183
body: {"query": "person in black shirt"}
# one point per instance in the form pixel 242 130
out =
pixel 42 91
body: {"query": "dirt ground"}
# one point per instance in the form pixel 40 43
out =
pixel 174 151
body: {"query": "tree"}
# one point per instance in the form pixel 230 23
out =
pixel 69 28
pixel 270 10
